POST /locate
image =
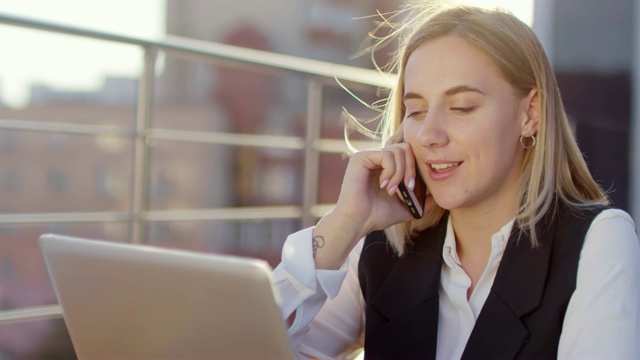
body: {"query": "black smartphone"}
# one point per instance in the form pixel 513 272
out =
pixel 414 200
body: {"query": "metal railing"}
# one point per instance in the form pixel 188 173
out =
pixel 318 73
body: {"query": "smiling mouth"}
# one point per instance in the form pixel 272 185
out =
pixel 444 166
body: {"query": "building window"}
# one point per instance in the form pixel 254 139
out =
pixel 59 141
pixel 7 268
pixel 107 183
pixel 9 179
pixel 8 140
pixel 57 180
pixel 161 187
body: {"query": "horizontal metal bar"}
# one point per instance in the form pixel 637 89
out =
pixel 239 213
pixel 179 45
pixel 65 128
pixel 233 139
pixel 321 210
pixel 71 30
pixel 340 146
pixel 34 218
pixel 29 314
pixel 233 213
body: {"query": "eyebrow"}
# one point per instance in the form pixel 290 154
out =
pixel 454 90
pixel 462 88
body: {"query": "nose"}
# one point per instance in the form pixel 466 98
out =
pixel 433 132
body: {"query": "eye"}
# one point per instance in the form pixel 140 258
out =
pixel 462 109
pixel 415 114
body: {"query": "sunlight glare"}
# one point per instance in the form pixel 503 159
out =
pixel 522 9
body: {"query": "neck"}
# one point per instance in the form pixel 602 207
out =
pixel 475 226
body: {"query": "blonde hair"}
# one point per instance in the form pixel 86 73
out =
pixel 554 168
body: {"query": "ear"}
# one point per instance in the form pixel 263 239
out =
pixel 530 113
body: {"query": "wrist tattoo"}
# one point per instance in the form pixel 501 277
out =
pixel 317 242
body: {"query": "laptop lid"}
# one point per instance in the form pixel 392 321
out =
pixel 137 301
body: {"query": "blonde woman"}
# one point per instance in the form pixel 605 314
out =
pixel 518 254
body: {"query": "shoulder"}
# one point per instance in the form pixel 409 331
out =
pixel 602 319
pixel 612 217
pixel 611 251
pixel 574 220
pixel 602 226
pixel 612 233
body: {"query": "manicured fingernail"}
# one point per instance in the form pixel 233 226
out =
pixel 384 183
pixel 412 184
pixel 393 189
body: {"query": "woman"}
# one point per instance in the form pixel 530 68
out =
pixel 517 255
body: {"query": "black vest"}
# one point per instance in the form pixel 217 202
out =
pixel 522 316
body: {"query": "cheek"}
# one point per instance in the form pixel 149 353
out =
pixel 410 130
pixel 498 151
pixel 499 128
pixel 491 144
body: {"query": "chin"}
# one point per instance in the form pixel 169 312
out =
pixel 447 202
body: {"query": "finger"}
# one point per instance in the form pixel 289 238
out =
pixel 409 167
pixel 391 163
pixel 397 137
pixel 386 161
pixel 398 175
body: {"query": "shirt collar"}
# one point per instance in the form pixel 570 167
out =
pixel 498 242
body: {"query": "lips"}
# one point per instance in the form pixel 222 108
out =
pixel 443 166
pixel 439 171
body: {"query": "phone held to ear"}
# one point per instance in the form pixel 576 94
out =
pixel 414 200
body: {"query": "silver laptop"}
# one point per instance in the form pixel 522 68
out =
pixel 125 301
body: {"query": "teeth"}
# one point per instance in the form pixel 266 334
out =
pixel 444 166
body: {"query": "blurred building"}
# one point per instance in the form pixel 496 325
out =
pixel 46 172
pixel 115 91
pixel 592 50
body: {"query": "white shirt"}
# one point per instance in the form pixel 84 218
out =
pixel 602 319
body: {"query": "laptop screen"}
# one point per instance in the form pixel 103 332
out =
pixel 125 301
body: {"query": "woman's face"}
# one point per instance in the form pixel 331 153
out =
pixel 463 121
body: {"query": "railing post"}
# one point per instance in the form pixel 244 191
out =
pixel 311 154
pixel 141 150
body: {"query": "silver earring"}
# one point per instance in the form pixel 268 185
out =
pixel 531 144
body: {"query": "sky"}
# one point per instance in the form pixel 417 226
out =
pixel 33 56
pixel 523 9
pixel 36 57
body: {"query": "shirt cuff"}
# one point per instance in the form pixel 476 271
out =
pixel 297 260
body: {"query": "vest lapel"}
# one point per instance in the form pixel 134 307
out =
pixel 517 291
pixel 408 297
pixel 414 278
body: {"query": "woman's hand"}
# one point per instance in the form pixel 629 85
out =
pixel 367 200
pixel 368 195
